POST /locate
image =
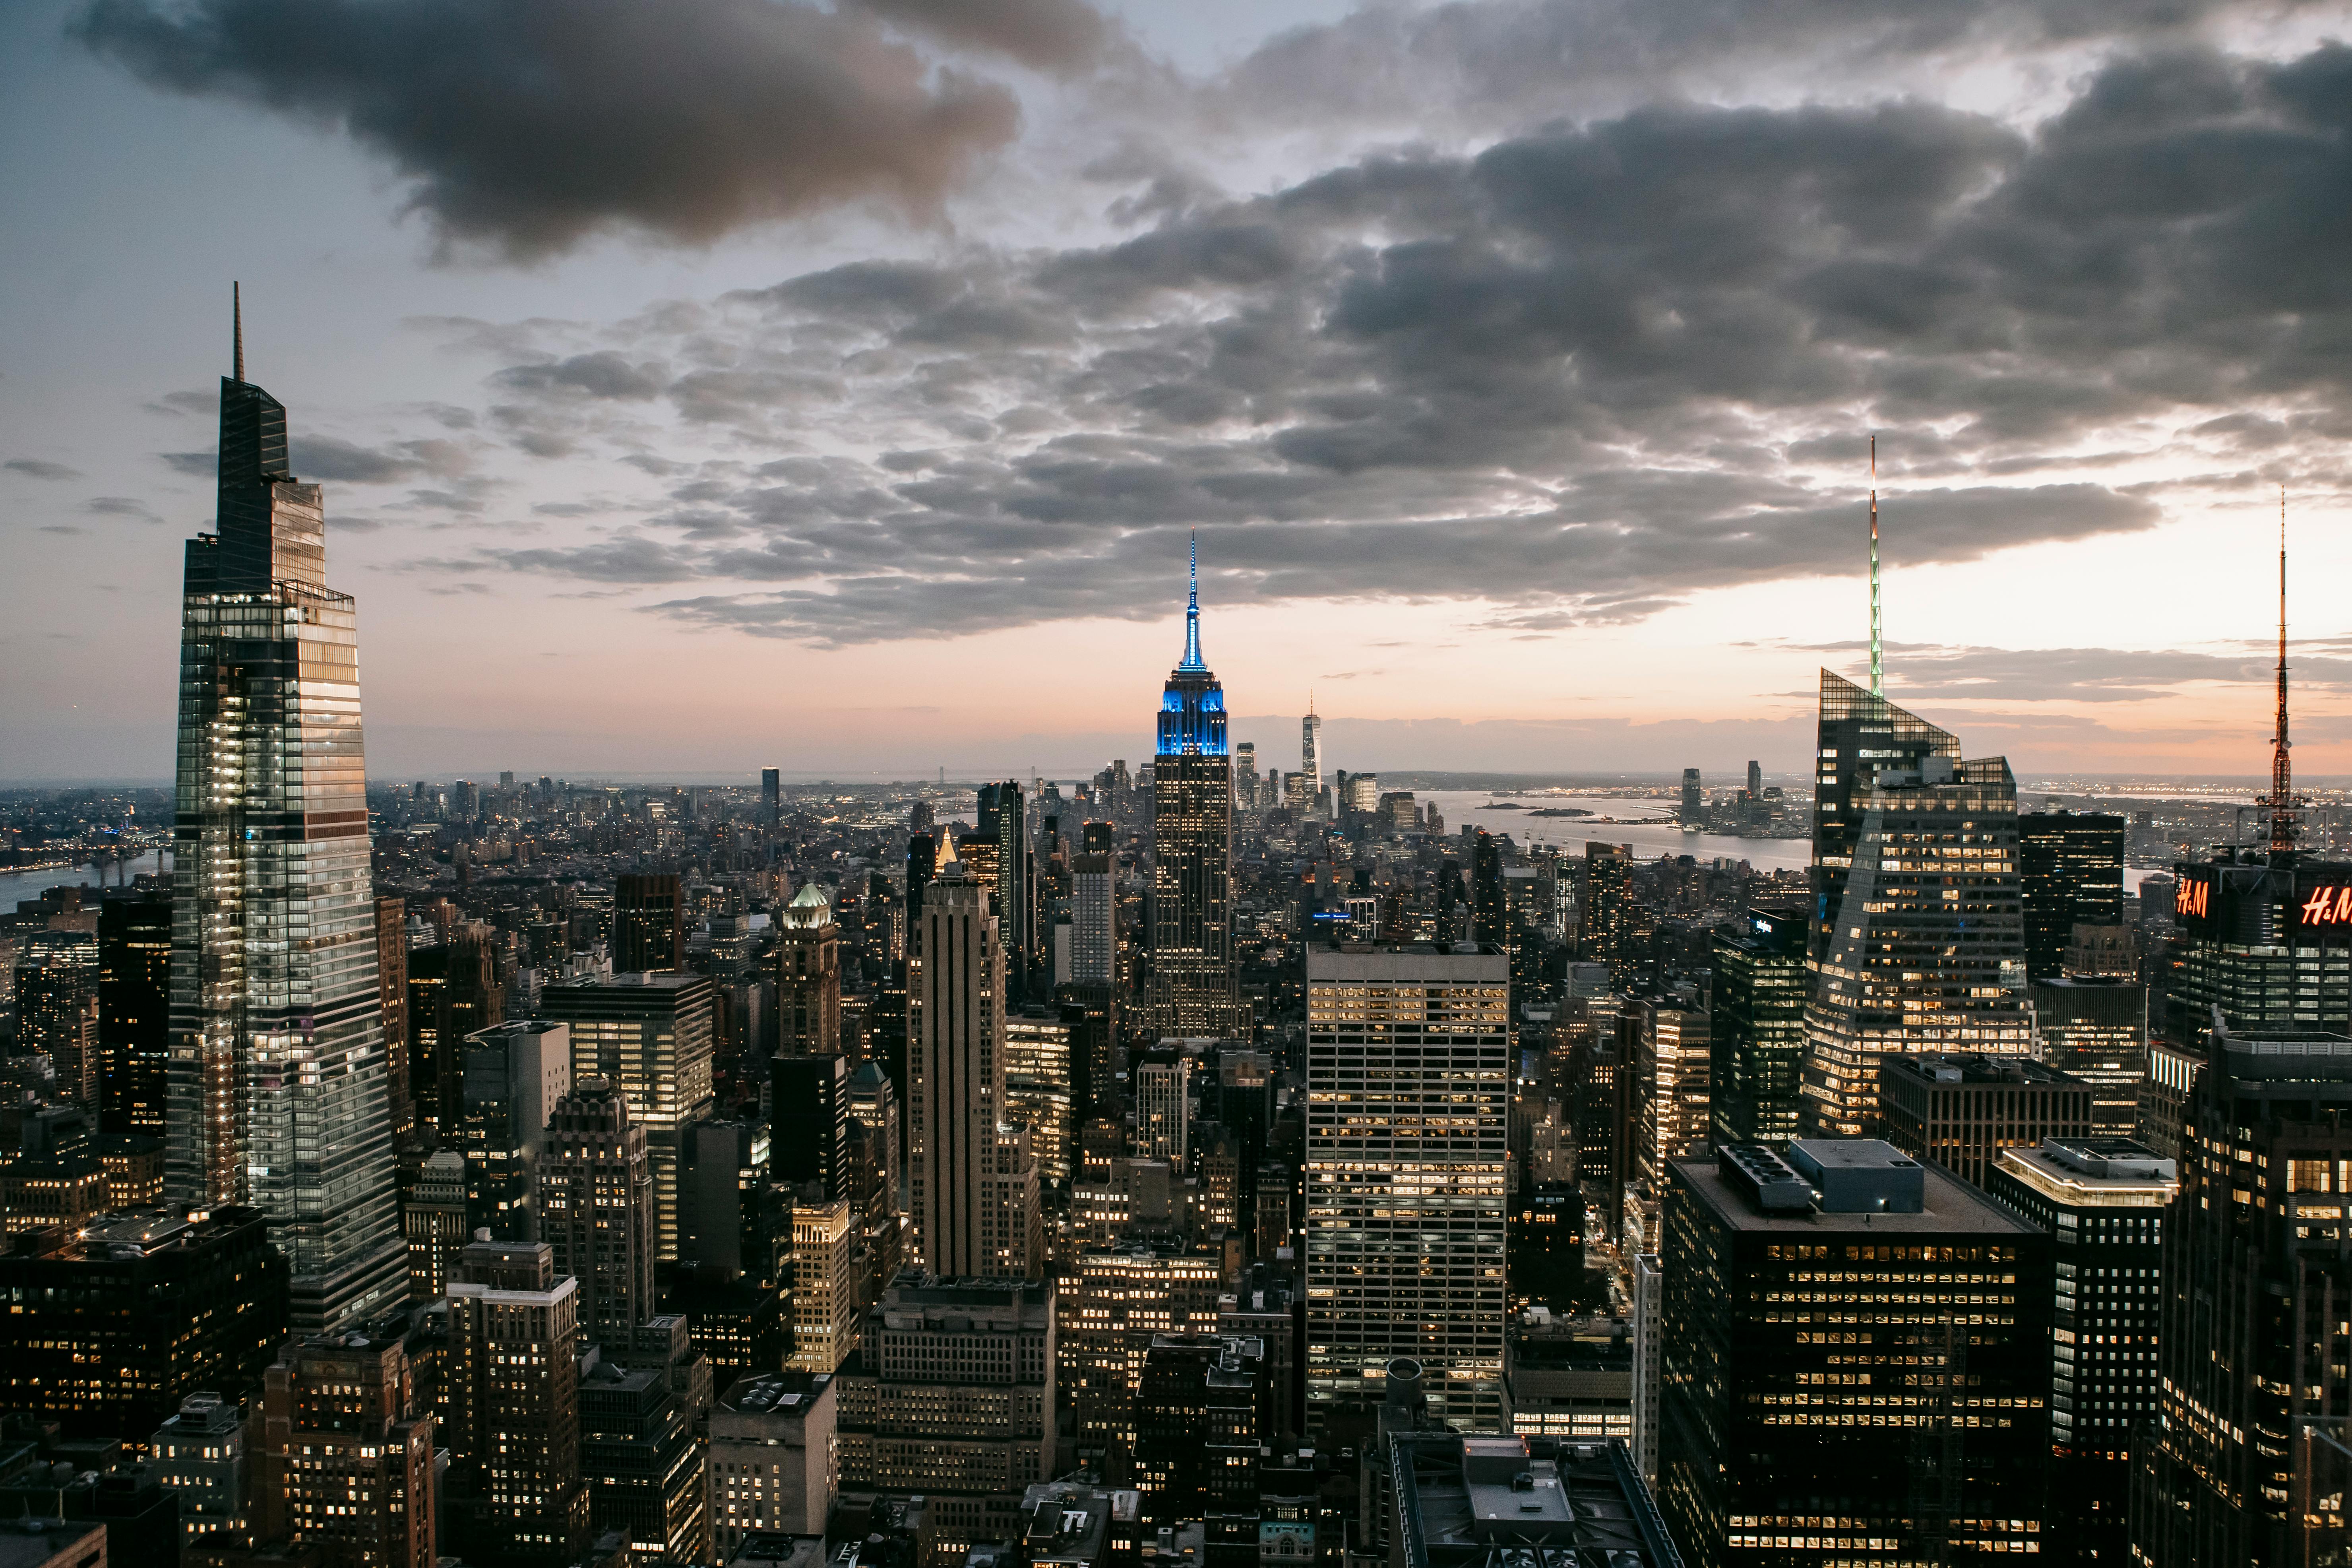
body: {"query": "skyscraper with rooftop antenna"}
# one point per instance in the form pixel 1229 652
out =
pixel 1194 990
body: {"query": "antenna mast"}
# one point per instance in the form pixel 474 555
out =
pixel 2283 803
pixel 1877 648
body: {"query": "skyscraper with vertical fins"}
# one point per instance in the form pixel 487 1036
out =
pixel 1194 990
pixel 276 1085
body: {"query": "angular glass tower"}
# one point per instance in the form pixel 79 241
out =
pixel 1194 990
pixel 276 1090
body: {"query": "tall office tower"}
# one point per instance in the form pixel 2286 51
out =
pixel 825 1285
pixel 1194 989
pixel 2070 872
pixel 1010 1210
pixel 1607 932
pixel 651 1036
pixel 648 922
pixel 1040 1090
pixel 469 998
pixel 1310 751
pixel 1408 1069
pixel 1201 1411
pixel 951 1395
pixel 639 1403
pixel 808 976
pixel 435 1221
pixel 1649 1362
pixel 1756 779
pixel 510 1402
pixel 1093 908
pixel 57 1009
pixel 956 1101
pixel 1961 1111
pixel 1758 1029
pixel 199 1456
pixel 2252 1326
pixel 1003 820
pixel 2096 1029
pixel 1163 1106
pixel 123 1317
pixel 923 864
pixel 775 1463
pixel 347 1453
pixel 392 998
pixel 2103 1201
pixel 1674 1071
pixel 1246 773
pixel 874 1105
pixel 772 798
pixel 1855 1362
pixel 511 1077
pixel 2267 939
pixel 1489 923
pixel 134 999
pixel 275 1090
pixel 596 1207
pixel 1861 735
pixel 810 1118
pixel 1112 1303
pixel 1929 951
pixel 1694 803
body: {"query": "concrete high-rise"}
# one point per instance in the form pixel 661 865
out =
pixel 391 992
pixel 1605 932
pixel 511 1405
pixel 597 1209
pixel 347 1453
pixel 648 922
pixel 650 1036
pixel 1408 1069
pixel 1194 990
pixel 1758 1033
pixel 1926 951
pixel 134 998
pixel 1093 908
pixel 2241 1458
pixel 2070 869
pixel 511 1077
pixel 808 976
pixel 1855 1362
pixel 276 1090
pixel 809 1100
pixel 955 1101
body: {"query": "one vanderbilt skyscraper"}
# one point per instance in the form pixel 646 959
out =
pixel 275 1089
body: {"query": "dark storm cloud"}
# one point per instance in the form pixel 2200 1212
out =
pixel 1052 35
pixel 40 469
pixel 527 125
pixel 1572 379
pixel 327 459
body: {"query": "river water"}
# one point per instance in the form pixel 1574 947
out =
pixel 17 886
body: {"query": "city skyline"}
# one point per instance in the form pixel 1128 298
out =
pixel 673 473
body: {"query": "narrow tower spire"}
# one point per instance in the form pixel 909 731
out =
pixel 1192 659
pixel 236 326
pixel 2282 800
pixel 1877 648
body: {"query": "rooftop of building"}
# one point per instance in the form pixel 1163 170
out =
pixel 1491 1502
pixel 30 1542
pixel 1413 963
pixel 1947 1205
pixel 121 1235
pixel 776 1549
pixel 783 1394
pixel 2094 1172
pixel 1973 1070
pixel 1068 1523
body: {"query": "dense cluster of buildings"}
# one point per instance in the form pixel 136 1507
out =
pixel 1206 1166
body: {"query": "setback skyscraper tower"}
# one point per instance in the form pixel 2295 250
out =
pixel 275 1090
pixel 1193 989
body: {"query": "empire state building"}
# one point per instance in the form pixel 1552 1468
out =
pixel 1193 989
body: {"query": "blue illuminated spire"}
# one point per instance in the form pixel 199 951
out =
pixel 1193 616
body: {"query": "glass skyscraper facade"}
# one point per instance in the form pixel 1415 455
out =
pixel 276 1085
pixel 1861 735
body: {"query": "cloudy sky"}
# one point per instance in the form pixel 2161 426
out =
pixel 706 383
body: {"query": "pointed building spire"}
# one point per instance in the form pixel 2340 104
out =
pixel 1877 648
pixel 236 327
pixel 2283 803
pixel 1192 659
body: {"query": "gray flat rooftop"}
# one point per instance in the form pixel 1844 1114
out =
pixel 1950 1208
